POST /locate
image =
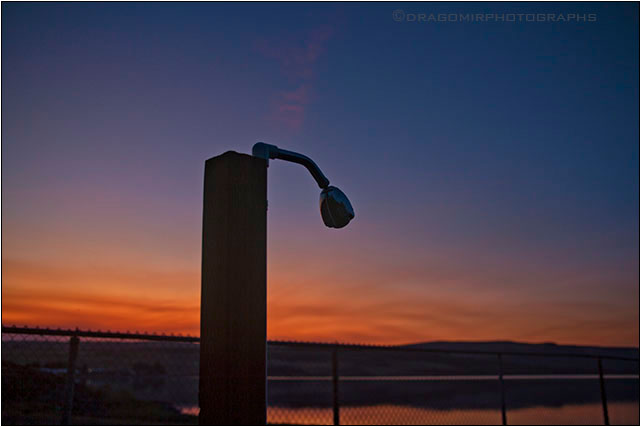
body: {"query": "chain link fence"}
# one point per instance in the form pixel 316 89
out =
pixel 84 377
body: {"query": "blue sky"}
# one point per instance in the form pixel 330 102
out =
pixel 492 165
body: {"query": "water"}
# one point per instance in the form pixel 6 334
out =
pixel 455 399
pixel 453 377
pixel 621 413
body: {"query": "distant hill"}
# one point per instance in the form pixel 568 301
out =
pixel 520 347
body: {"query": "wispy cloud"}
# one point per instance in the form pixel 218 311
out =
pixel 303 304
pixel 100 298
pixel 298 62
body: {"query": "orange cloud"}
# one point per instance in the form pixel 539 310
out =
pixel 365 307
pixel 101 298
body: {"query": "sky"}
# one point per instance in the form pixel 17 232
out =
pixel 493 166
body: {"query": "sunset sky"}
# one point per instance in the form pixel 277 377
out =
pixel 493 166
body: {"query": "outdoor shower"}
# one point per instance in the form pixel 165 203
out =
pixel 336 210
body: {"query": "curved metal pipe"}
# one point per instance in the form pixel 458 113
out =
pixel 268 151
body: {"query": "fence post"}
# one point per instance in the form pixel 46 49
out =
pixel 337 419
pixel 69 386
pixel 502 385
pixel 233 302
pixel 604 400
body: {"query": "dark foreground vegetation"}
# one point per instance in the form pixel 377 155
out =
pixel 32 397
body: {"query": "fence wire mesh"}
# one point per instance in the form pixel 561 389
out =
pixel 136 381
pixel 621 388
pixel 153 379
pixel 299 385
pixel 565 390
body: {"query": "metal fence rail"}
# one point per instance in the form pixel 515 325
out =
pixel 150 378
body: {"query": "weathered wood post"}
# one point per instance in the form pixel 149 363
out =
pixel 233 312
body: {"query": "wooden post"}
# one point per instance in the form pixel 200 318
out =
pixel 233 308
pixel 69 385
